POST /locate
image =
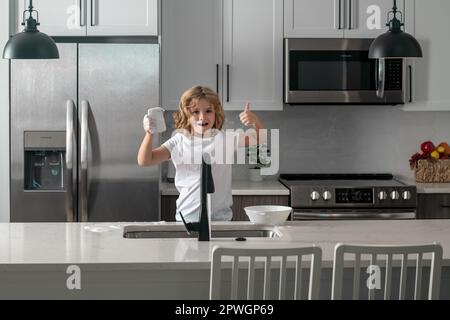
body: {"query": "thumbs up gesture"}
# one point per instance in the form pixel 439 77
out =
pixel 248 117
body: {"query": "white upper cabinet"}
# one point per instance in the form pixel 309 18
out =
pixel 253 54
pixel 313 18
pixel 122 18
pixel 56 18
pixel 368 18
pixel 95 17
pixel 243 61
pixel 431 73
pixel 190 46
pixel 341 18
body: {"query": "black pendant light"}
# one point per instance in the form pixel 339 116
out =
pixel 30 44
pixel 395 43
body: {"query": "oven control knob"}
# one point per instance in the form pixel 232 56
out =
pixel 315 196
pixel 395 195
pixel 326 195
pixel 382 195
pixel 406 195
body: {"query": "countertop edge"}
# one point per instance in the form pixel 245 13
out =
pixel 426 188
pixel 240 188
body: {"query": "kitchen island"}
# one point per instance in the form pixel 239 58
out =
pixel 42 260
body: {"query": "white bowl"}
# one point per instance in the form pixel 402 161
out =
pixel 272 215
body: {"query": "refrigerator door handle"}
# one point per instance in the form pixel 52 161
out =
pixel 84 160
pixel 70 215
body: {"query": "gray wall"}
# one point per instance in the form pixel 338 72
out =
pixel 353 138
pixel 4 115
pixel 341 139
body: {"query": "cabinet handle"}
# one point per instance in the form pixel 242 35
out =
pixel 228 83
pixel 217 79
pixel 337 15
pixel 410 84
pixel 444 206
pixel 82 4
pixel 339 12
pixel 350 14
pixel 93 12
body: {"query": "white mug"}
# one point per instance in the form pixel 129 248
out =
pixel 157 113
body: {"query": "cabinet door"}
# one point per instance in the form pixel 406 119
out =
pixel 368 18
pixel 433 206
pixel 121 18
pixel 253 54
pixel 431 90
pixel 312 18
pixel 191 47
pixel 57 18
pixel 168 207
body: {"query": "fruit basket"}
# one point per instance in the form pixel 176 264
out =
pixel 432 164
pixel 427 171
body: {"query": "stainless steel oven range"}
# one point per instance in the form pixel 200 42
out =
pixel 349 196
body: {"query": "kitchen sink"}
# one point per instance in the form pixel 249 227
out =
pixel 153 232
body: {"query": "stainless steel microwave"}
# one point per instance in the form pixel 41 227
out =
pixel 339 71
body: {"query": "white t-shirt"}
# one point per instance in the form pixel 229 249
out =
pixel 186 154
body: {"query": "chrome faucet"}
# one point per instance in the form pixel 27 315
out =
pixel 206 187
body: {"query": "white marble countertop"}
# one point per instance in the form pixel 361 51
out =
pixel 103 243
pixel 240 188
pixel 426 187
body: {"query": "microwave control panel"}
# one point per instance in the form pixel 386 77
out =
pixel 394 74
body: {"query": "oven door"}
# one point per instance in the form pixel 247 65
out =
pixel 325 71
pixel 351 214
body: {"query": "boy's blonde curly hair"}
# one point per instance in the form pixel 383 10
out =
pixel 189 100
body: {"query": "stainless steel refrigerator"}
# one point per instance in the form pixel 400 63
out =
pixel 76 126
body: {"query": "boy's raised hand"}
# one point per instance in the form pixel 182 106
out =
pixel 248 117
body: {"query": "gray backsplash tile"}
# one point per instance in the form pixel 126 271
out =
pixel 341 139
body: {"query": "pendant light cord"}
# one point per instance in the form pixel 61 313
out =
pixel 30 23
pixel 394 24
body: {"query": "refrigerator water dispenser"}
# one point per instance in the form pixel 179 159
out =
pixel 44 153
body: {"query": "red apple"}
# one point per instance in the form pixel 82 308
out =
pixel 427 147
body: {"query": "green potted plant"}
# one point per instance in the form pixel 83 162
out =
pixel 257 156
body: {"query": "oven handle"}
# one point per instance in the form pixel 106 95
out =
pixel 381 67
pixel 298 215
